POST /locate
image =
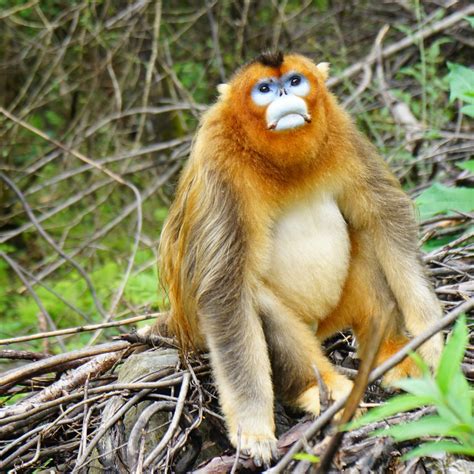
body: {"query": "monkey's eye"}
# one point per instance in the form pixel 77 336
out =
pixel 264 91
pixel 297 84
pixel 295 81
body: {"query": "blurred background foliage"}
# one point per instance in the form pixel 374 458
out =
pixel 123 83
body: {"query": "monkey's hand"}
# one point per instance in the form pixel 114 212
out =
pixel 261 447
pixel 158 328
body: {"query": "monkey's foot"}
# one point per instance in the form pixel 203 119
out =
pixel 261 448
pixel 338 387
pixel 309 400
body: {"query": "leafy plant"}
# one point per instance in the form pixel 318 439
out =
pixel 467 165
pixel 461 85
pixel 440 199
pixel 448 392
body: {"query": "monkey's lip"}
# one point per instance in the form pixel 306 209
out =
pixel 289 121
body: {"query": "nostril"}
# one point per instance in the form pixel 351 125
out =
pixel 281 92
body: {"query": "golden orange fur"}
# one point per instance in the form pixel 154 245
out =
pixel 274 236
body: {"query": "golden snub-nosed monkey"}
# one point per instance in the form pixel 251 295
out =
pixel 287 226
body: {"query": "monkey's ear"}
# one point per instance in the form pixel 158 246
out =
pixel 324 69
pixel 223 90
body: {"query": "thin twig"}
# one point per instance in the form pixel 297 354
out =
pixel 79 329
pixel 174 422
pixel 14 10
pixel 150 68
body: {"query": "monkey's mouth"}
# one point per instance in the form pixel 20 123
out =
pixel 286 113
pixel 289 121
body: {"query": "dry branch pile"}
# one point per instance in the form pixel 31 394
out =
pixel 98 105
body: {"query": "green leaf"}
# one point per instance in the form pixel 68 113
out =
pixel 54 119
pixel 433 53
pixel 36 120
pixel 322 5
pixel 452 355
pixel 434 244
pixel 461 83
pixel 468 110
pixel 439 199
pixel 306 457
pixel 470 19
pixel 458 397
pixel 426 426
pixel 397 404
pixel 463 430
pixel 418 386
pixel 435 447
pixel 445 411
pixel 466 165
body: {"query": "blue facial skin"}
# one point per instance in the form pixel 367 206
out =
pixel 267 90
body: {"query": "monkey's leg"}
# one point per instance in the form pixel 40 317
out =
pixel 242 372
pixel 365 297
pixel 296 354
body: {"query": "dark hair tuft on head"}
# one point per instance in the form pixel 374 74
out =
pixel 270 58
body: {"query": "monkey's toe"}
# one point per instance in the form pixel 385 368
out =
pixel 262 449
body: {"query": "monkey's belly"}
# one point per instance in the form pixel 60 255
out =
pixel 309 260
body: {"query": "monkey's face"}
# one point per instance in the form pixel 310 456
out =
pixel 283 99
pixel 279 103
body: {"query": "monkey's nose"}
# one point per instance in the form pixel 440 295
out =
pixel 283 91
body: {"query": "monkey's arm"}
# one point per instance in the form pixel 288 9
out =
pixel 373 202
pixel 207 270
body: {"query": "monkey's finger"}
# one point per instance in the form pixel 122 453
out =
pixel 257 459
pixel 275 452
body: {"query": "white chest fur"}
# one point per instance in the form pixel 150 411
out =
pixel 309 257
